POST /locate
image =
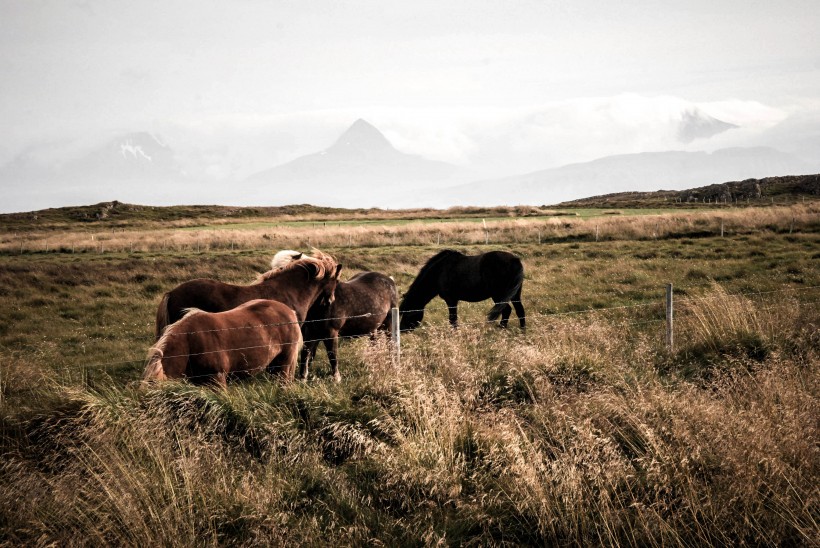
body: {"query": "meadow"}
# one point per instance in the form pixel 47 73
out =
pixel 585 429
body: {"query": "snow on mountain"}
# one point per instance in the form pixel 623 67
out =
pixel 134 167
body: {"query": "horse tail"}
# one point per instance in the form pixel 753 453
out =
pixel 162 316
pixel 499 307
pixel 154 370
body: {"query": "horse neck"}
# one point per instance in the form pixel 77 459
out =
pixel 423 289
pixel 290 288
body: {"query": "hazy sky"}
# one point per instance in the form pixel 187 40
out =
pixel 71 69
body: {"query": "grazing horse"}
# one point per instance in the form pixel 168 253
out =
pixel 453 276
pixel 297 283
pixel 361 307
pixel 207 347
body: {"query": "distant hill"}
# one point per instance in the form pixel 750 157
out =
pixel 135 164
pixel 642 172
pixel 120 214
pixel 362 168
pixel 787 189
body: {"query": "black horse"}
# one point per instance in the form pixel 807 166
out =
pixel 453 276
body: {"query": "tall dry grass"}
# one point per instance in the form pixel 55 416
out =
pixel 801 217
pixel 583 430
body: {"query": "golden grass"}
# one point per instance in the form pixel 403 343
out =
pixel 585 430
pixel 799 217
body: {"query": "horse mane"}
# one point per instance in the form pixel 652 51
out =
pixel 322 262
pixel 284 258
pixel 278 262
pixel 432 264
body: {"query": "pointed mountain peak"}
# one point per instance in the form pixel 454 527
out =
pixel 362 134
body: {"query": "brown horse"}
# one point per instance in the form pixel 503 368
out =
pixel 361 307
pixel 209 347
pixel 298 283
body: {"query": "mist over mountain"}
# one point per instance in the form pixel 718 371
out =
pixel 648 171
pixel 559 151
pixel 695 124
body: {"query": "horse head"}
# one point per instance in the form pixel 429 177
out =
pixel 328 292
pixel 410 318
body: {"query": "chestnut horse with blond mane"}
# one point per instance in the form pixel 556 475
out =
pixel 208 348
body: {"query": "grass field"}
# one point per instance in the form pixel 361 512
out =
pixel 584 430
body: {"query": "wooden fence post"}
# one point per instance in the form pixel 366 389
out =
pixel 395 332
pixel 670 342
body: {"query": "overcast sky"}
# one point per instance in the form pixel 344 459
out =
pixel 416 69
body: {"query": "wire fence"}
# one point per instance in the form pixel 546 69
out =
pixel 532 318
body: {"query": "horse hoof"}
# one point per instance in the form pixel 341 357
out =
pixel 337 378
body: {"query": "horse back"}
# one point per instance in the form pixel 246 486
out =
pixel 360 307
pixel 243 340
pixel 206 295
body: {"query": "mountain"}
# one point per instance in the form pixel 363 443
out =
pixel 627 172
pixel 695 124
pixel 138 157
pixel 130 166
pixel 362 169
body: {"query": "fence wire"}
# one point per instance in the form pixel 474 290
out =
pixel 531 318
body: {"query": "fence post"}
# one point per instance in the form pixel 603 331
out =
pixel 395 332
pixel 670 342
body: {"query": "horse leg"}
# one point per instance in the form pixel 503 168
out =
pixel 452 307
pixel 220 380
pixel 519 311
pixel 308 352
pixel 505 316
pixel 332 347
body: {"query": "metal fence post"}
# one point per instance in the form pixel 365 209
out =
pixel 669 318
pixel 395 332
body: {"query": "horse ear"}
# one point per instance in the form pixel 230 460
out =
pixel 338 270
pixel 297 256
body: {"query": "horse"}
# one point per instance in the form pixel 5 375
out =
pixel 297 283
pixel 454 276
pixel 207 348
pixel 361 307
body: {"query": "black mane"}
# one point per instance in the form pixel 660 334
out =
pixel 429 267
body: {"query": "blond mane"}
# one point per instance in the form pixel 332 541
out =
pixel 323 262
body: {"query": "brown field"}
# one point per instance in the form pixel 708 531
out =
pixel 584 430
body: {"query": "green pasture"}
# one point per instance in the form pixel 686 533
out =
pixel 577 213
